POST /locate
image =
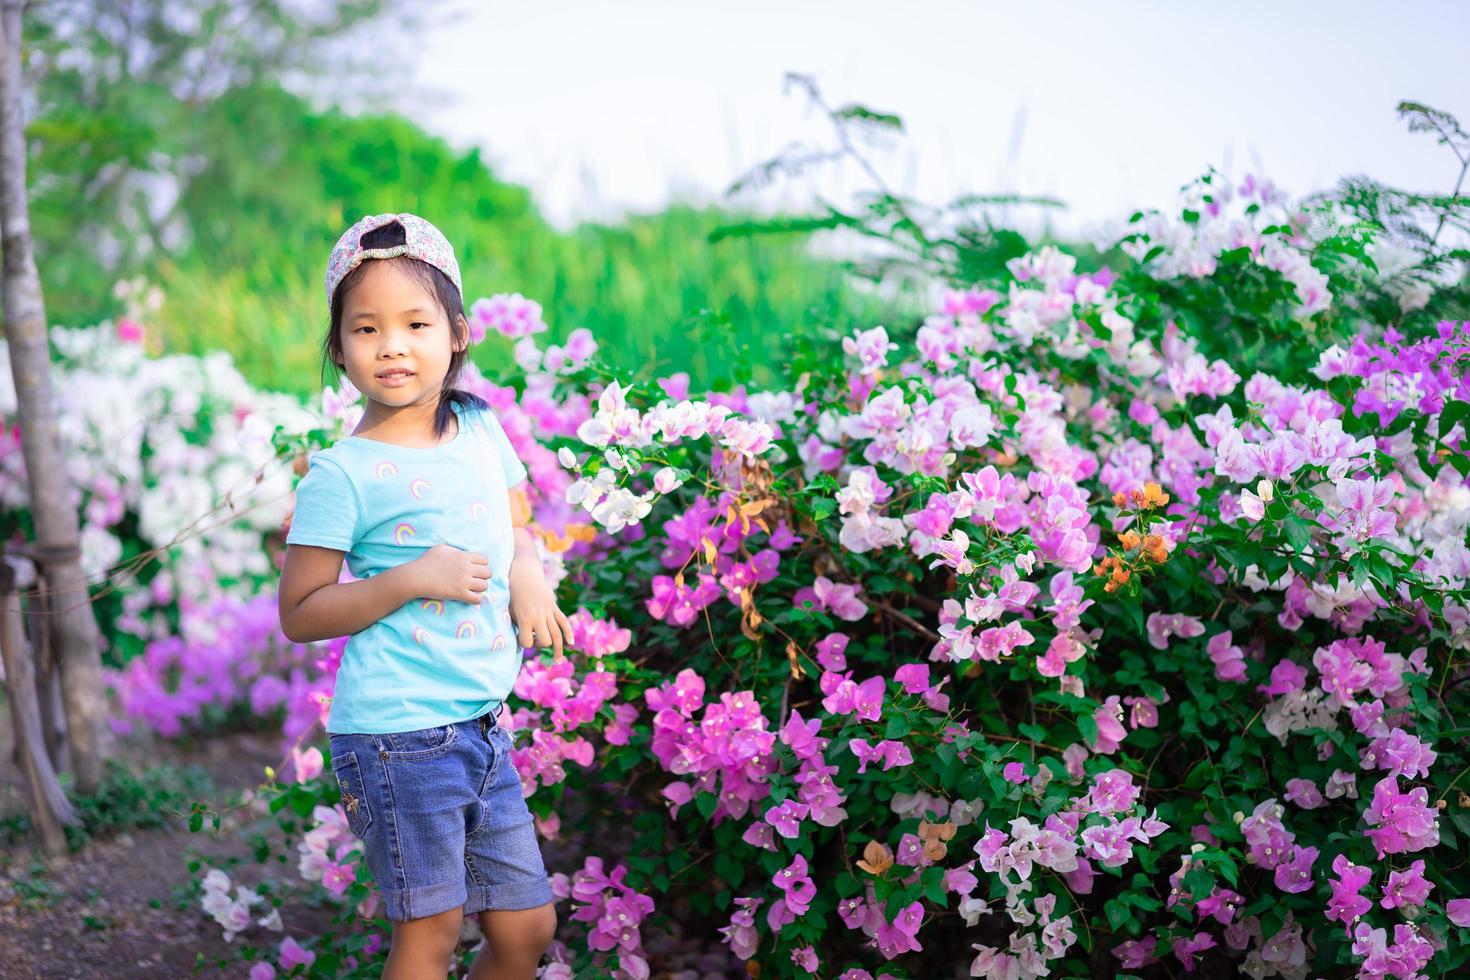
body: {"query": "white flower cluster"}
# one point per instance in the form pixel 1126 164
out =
pixel 615 424
pixel 177 442
pixel 233 914
pixel 1191 245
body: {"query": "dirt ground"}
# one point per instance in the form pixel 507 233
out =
pixel 112 909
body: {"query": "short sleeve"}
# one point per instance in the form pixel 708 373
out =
pixel 510 463
pixel 328 513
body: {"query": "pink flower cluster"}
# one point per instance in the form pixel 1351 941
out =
pixel 561 703
pixel 508 314
pixel 728 751
pixel 615 913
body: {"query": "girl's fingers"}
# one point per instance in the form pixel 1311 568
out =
pixel 566 626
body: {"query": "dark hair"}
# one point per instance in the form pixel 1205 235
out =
pixel 439 286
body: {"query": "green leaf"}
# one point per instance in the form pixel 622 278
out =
pixel 705 803
pixel 1117 913
pixel 1297 532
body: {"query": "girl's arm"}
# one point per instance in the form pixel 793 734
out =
pixel 532 603
pixel 313 605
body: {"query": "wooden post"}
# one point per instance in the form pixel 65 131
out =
pixel 50 809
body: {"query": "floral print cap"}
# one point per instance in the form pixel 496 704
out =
pixel 421 241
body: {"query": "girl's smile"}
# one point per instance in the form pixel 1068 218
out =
pixel 395 377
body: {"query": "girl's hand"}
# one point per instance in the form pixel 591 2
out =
pixel 449 573
pixel 533 608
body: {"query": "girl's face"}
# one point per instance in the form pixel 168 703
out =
pixel 396 340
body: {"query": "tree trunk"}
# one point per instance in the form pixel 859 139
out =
pixel 48 676
pixel 56 548
pixel 50 809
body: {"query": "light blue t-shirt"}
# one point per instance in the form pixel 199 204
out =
pixel 429 662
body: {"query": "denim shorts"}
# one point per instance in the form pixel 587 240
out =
pixel 442 819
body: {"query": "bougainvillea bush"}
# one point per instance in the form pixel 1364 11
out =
pixel 1107 621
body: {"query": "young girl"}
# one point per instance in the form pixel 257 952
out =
pixel 426 501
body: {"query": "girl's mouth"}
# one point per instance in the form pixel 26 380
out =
pixel 393 379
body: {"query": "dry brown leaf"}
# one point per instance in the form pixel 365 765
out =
pixel 791 655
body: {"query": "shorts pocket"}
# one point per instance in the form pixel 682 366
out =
pixel 425 743
pixel 354 793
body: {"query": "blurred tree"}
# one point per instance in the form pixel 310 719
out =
pixel 114 91
pixel 56 549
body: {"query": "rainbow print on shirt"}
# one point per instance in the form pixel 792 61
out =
pixel 479 511
pixel 435 606
pixel 402 533
pixel 385 468
pixel 467 628
pixel 499 643
pixel 418 487
pixel 421 636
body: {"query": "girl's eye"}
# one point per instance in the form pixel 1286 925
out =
pixel 418 324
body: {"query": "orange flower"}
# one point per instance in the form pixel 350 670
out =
pixel 876 858
pixel 1154 545
pixel 1120 499
pixel 1129 540
pixel 1153 496
pixel 938 831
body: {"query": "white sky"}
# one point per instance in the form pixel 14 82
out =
pixel 601 107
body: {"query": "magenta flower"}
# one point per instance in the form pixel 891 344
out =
pixel 787 817
pixel 1401 754
pixel 1362 511
pixel 741 934
pixel 1304 793
pixel 806 958
pixel 845 697
pixel 797 886
pixel 1229 659
pixel 1405 888
pixel 1346 902
pixel 293 955
pixel 1135 954
pixel 1295 875
pixel 760 835
pixel 841 600
pixel 871 348
pixel 1185 949
pixel 1401 822
pixel 899 936
pixel 914 678
pixel 1110 730
pixel 509 314
pixel 1458 911
pixel 1285 950
pixel 853 912
pixel 1162 626
pixel 677 793
pixel 830 652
